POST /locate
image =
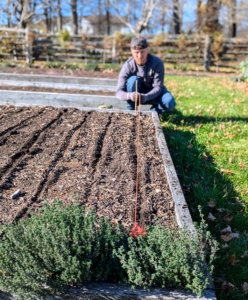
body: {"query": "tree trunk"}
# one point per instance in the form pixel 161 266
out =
pixel 232 25
pixel 99 21
pixel 163 18
pixel 8 14
pixel 59 17
pixel 74 16
pixel 176 17
pixel 207 48
pixel 212 16
pixel 46 14
pixel 22 21
pixel 108 22
pixel 199 15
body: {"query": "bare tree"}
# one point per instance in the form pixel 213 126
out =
pixel 59 16
pixel 24 12
pixel 48 15
pixel 232 25
pixel 74 16
pixel 176 25
pixel 199 15
pixel 162 15
pixel 211 23
pixel 139 15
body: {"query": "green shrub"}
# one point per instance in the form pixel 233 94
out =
pixel 243 72
pixel 65 245
pixel 169 258
pixel 61 246
pixel 56 65
pixel 9 64
pixel 91 67
pixel 112 67
pixel 243 67
pixel 62 65
pixel 72 66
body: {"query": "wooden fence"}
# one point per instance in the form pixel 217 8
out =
pixel 176 49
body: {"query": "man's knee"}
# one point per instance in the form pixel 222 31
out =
pixel 168 100
pixel 131 84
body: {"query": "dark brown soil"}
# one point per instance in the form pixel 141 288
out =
pixel 49 153
pixel 55 90
pixel 108 73
pixel 59 72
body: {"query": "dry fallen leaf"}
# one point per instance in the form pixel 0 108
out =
pixel 227 218
pixel 222 126
pixel 229 135
pixel 211 217
pixel 232 259
pixel 221 209
pixel 227 286
pixel 235 235
pixel 244 255
pixel 226 238
pixel 212 204
pixel 226 230
pixel 245 287
pixel 226 171
pixel 204 155
pixel 224 246
pixel 242 165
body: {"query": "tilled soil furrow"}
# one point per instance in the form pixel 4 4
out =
pixel 11 109
pixel 76 174
pixel 57 167
pixel 99 144
pixel 35 168
pixel 90 154
pixel 50 171
pixel 157 202
pixel 113 193
pixel 20 119
pixel 22 141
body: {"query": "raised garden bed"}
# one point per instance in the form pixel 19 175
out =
pixel 88 157
pixel 49 153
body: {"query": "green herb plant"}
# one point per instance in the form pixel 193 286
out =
pixel 64 245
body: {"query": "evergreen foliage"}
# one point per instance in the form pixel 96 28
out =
pixel 64 245
pixel 243 72
pixel 169 258
pixel 243 66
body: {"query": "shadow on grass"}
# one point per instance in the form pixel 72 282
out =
pixel 176 117
pixel 205 185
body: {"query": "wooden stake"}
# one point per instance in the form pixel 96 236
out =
pixel 136 98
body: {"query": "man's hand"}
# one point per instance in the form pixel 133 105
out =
pixel 135 97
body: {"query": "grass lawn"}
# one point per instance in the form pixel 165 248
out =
pixel 208 141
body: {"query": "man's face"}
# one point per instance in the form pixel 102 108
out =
pixel 140 56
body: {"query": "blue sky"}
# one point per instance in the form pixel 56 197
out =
pixel 189 11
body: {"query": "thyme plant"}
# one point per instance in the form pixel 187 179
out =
pixel 64 245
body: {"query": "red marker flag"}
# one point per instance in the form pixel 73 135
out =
pixel 137 231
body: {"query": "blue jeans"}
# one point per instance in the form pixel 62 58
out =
pixel 164 102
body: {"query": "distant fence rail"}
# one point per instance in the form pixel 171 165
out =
pixel 23 44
